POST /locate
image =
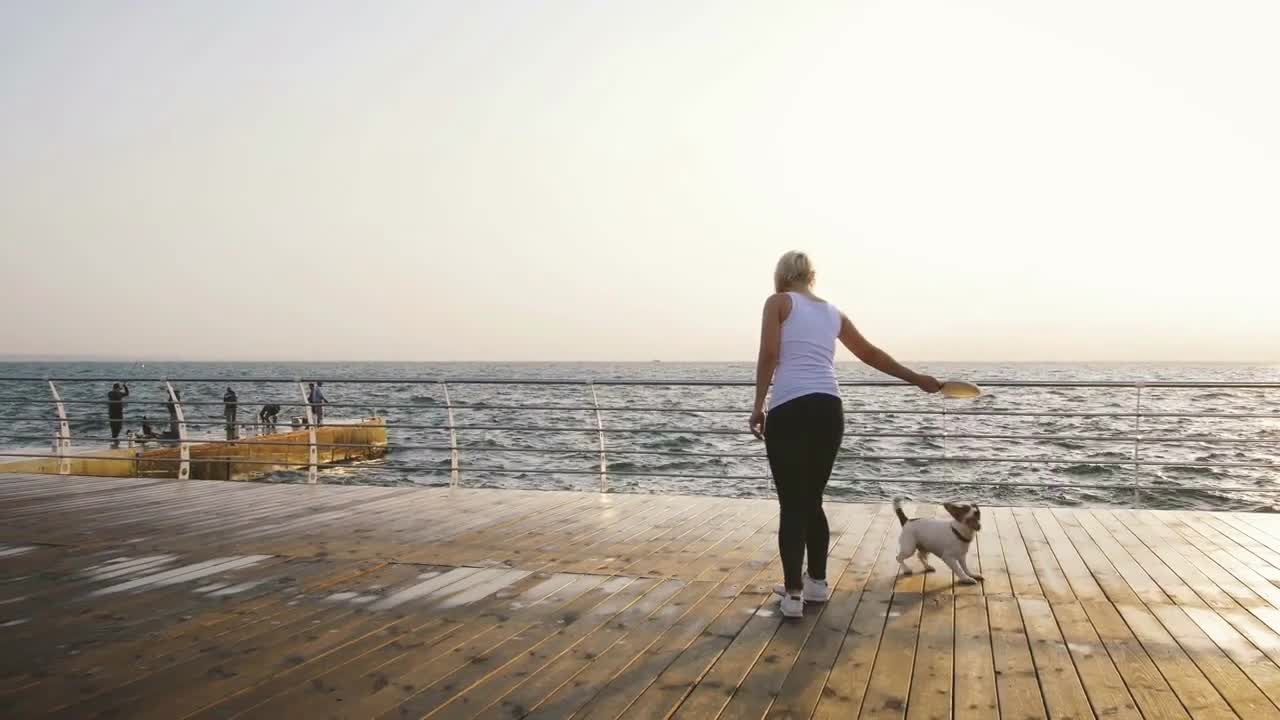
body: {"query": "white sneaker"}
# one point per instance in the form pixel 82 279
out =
pixel 815 591
pixel 792 606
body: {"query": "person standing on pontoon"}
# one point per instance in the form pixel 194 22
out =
pixel 229 402
pixel 804 424
pixel 267 417
pixel 115 410
pixel 315 398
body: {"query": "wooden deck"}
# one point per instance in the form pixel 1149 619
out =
pixel 166 599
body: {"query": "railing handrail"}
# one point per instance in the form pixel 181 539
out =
pixel 1136 435
pixel 621 382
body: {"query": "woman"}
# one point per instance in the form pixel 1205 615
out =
pixel 805 422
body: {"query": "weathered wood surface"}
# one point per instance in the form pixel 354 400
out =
pixel 165 599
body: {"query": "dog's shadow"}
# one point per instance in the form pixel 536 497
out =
pixel 952 586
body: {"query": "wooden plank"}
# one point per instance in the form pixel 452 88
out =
pixel 1198 695
pixel 1022 573
pixel 1256 525
pixel 656 525
pixel 1141 561
pixel 847 685
pixel 565 545
pixel 310 689
pixel 419 682
pixel 679 554
pixel 766 680
pixel 602 667
pixel 1195 692
pixel 738 545
pixel 628 685
pixel 382 674
pixel 1102 624
pixel 1243 649
pixel 643 670
pixel 1104 574
pixel 728 668
pixel 932 676
pixel 802 689
pixel 1232 684
pixel 661 698
pixel 563 667
pixel 667 539
pixel 719 683
pixel 1246 622
pixel 1053 582
pixel 95 627
pixel 1063 690
pixel 133 688
pixel 329 691
pixel 1153 694
pixel 156 624
pixel 1074 568
pixel 1107 691
pixel 1016 681
pixel 756 691
pixel 975 673
pixel 1138 585
pixel 934 672
pixel 1260 558
pixel 995 574
pixel 890 684
pixel 1216 586
pixel 1241 565
pixel 1167 614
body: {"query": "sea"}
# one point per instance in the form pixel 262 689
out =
pixel 681 439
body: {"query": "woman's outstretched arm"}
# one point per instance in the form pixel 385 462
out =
pixel 881 360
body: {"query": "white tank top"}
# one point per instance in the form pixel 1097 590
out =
pixel 806 359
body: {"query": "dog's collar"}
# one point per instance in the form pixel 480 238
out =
pixel 956 532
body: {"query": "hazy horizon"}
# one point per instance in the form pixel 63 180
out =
pixel 849 360
pixel 1007 181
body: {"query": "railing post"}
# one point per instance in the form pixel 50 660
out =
pixel 604 461
pixel 453 438
pixel 184 447
pixel 946 441
pixel 313 455
pixel 1137 440
pixel 62 440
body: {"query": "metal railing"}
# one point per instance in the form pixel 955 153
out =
pixel 26 400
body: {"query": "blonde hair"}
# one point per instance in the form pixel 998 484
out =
pixel 794 272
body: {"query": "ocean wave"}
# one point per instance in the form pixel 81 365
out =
pixel 1088 470
pixel 669 442
pixel 1193 470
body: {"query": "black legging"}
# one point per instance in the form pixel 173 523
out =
pixel 802 437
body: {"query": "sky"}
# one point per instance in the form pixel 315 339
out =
pixel 1015 180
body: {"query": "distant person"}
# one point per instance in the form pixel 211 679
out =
pixel 267 417
pixel 315 398
pixel 115 410
pixel 148 433
pixel 229 402
pixel 805 422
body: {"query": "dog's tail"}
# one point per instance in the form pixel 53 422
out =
pixel 897 510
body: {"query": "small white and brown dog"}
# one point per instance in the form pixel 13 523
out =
pixel 948 539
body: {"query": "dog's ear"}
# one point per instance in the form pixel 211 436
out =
pixel 957 510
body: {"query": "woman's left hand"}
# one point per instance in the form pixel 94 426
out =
pixel 757 423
